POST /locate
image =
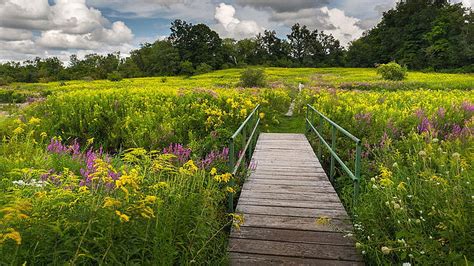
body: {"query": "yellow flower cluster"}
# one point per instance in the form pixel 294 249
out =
pixel 223 178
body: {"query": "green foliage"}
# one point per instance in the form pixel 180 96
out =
pixel 114 76
pixel 392 71
pixel 252 77
pixel 187 69
pixel 203 68
pixel 420 35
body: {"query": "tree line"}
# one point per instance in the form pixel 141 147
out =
pixel 420 34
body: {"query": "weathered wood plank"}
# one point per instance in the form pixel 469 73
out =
pixel 302 250
pixel 289 189
pixel 245 259
pixel 313 197
pixel 292 203
pixel 297 236
pixel 292 211
pixel 296 223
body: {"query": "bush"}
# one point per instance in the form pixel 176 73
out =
pixel 187 68
pixel 252 78
pixel 392 71
pixel 114 76
pixel 203 68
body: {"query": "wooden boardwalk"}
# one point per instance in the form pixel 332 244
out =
pixel 292 215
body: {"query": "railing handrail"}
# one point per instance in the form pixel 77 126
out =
pixel 236 133
pixel 345 132
pixel 355 176
pixel 246 149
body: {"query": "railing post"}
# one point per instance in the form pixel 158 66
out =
pixel 357 169
pixel 333 147
pixel 230 196
pixel 307 117
pixel 321 133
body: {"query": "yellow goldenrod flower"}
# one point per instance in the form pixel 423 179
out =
pixel 111 203
pixel 12 234
pixel 261 115
pixel 230 190
pixel 213 171
pixel 150 199
pixel 401 186
pixel 123 217
pixel 43 135
pixel 237 220
pixel 90 141
pixel 18 131
pixel 33 120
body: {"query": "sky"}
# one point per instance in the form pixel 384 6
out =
pixel 46 28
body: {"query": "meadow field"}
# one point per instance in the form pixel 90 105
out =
pixel 135 171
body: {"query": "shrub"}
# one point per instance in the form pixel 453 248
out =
pixel 392 71
pixel 114 76
pixel 252 78
pixel 187 68
pixel 5 80
pixel 203 68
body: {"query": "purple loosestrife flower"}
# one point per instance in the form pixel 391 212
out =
pixel 467 106
pixel 363 118
pixel 179 151
pixel 55 146
pixel 424 126
pixel 213 157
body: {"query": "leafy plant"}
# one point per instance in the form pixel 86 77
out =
pixel 252 77
pixel 392 71
pixel 114 76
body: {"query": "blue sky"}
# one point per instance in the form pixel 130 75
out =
pixel 31 28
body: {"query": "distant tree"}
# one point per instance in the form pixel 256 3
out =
pixel 419 34
pixel 197 43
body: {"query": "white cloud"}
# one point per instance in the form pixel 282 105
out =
pixel 345 28
pixel 232 26
pixel 66 26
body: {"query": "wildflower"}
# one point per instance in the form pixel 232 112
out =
pixel 189 167
pixel 33 120
pixel 237 220
pixel 213 171
pixel 261 115
pixel 111 202
pixel 150 199
pixel 243 112
pixel 223 178
pixel 18 131
pixel 12 234
pixel 456 155
pixel 422 153
pixel 386 182
pixel 395 165
pixel 90 141
pixel 83 189
pixel 386 250
pixel 401 186
pixel 43 135
pixel 435 140
pixel 396 206
pixel 406 264
pixel 358 245
pixel 230 190
pixel 374 186
pixel 123 217
pixel 372 179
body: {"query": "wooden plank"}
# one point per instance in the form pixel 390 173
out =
pixel 302 250
pixel 313 197
pixel 296 223
pixel 294 182
pixel 297 236
pixel 324 187
pixel 292 211
pixel 292 203
pixel 245 259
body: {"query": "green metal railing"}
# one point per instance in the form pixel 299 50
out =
pixel 355 176
pixel 246 135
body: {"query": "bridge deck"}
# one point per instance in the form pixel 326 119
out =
pixel 292 215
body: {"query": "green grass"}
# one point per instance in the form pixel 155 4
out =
pixel 292 124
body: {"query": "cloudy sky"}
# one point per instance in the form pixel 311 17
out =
pixel 30 28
